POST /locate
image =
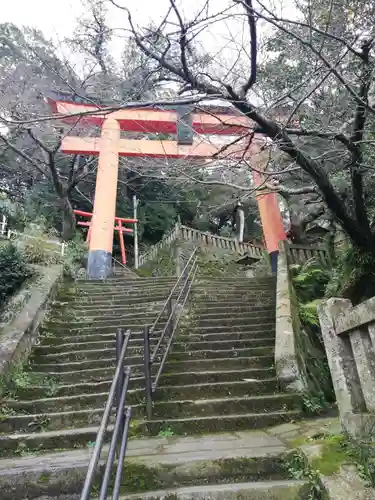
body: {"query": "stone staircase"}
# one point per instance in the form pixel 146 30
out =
pixel 220 378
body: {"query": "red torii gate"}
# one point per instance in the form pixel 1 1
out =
pixel 109 146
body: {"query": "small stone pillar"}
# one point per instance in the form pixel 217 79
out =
pixel 345 379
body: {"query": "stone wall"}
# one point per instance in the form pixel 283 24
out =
pixel 286 362
pixel 19 334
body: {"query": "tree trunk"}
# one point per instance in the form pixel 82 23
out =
pixel 69 219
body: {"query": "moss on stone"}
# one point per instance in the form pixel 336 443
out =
pixel 333 454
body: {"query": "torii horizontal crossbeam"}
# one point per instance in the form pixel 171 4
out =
pixel 159 149
pixel 153 120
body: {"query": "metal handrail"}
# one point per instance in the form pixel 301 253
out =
pixel 117 394
pixel 171 324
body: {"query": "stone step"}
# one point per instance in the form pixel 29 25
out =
pixel 181 344
pixel 110 291
pixel 165 462
pixel 65 384
pixel 135 354
pixel 94 313
pixel 248 318
pixel 249 312
pixel 254 324
pixel 164 409
pixel 222 423
pixel 170 367
pixel 291 489
pixel 238 327
pixel 209 337
pixel 135 396
pixel 258 331
pixel 84 436
pixel 236 308
pixel 100 303
pixel 141 318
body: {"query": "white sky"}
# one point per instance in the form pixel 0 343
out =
pixel 57 18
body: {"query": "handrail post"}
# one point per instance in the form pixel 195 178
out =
pixel 120 336
pixel 120 339
pixel 171 315
pixel 147 369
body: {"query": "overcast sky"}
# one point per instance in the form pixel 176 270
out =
pixel 57 18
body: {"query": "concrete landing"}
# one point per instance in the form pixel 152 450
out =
pixel 270 490
pixel 171 462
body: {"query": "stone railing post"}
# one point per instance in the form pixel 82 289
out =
pixel 342 363
pixel 286 363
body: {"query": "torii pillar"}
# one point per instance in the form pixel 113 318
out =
pixel 99 265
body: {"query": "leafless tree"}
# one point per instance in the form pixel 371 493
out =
pixel 341 58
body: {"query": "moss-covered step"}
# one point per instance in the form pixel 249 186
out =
pixel 168 409
pixel 239 326
pixel 107 342
pixel 259 490
pixel 249 319
pixel 70 366
pixel 114 321
pixel 152 463
pixel 136 396
pixel 187 344
pixel 236 307
pixel 68 379
pixel 179 354
pixel 219 364
pixel 100 302
pixel 185 336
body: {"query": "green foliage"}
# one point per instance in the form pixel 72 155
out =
pixel 74 256
pixel 13 271
pixel 298 468
pixel 309 282
pixel 353 275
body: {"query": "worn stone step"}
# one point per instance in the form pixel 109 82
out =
pixel 222 423
pixel 84 322
pixel 94 313
pixel 39 366
pixel 181 344
pixel 217 337
pixel 220 364
pixel 228 328
pixel 166 462
pixel 236 308
pixel 248 318
pixel 46 338
pixel 189 345
pixel 170 367
pixel 250 312
pixel 161 409
pixel 82 437
pixel 291 489
pixel 136 396
pixel 187 334
pixel 133 356
pixel 233 293
pixel 102 303
pixel 66 382
pixel 88 330
pixel 114 291
pixel 182 355
pixel 46 348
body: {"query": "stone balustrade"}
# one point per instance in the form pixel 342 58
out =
pixel 349 339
